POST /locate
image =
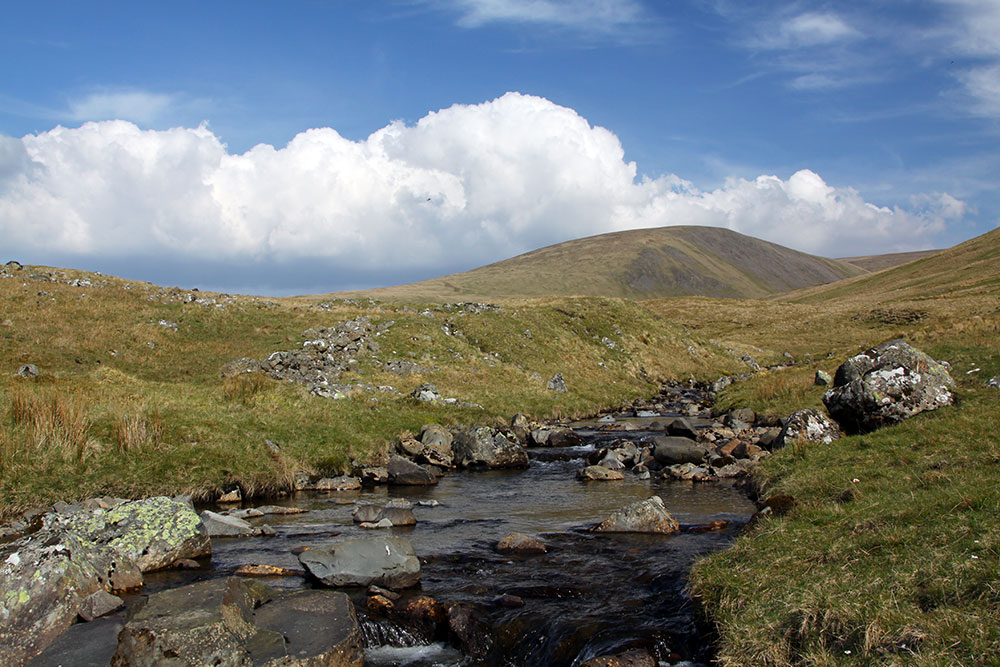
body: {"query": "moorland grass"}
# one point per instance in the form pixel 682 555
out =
pixel 130 400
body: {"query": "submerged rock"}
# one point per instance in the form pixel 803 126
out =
pixel 519 543
pixel 885 385
pixel 643 516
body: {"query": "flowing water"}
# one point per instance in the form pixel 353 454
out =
pixel 591 594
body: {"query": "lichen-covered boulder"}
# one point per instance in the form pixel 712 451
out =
pixel 154 532
pixel 46 578
pixel 482 446
pixel 643 516
pixel 382 561
pixel 806 425
pixel 886 384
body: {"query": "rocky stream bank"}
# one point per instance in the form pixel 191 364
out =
pixel 510 562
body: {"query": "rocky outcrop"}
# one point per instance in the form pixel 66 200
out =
pixel 241 622
pixel 382 561
pixel 643 516
pixel 885 385
pixel 806 426
pixel 557 383
pixel 485 447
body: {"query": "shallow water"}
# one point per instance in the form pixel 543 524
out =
pixel 592 594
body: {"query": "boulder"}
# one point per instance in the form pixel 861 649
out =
pixel 681 428
pixel 557 383
pixel 643 516
pixel 339 483
pixel 407 473
pixel 741 416
pixel 521 428
pixel 240 622
pixel 382 561
pixel 482 446
pixel 154 532
pixel 427 393
pixel 240 367
pixel 822 379
pixel 885 385
pixel 598 473
pixel 669 450
pixel 366 513
pixel 99 603
pixel 519 543
pixel 47 577
pixel 27 371
pixel 221 525
pixel 399 516
pixel 808 425
pixel 564 437
pixel 435 434
pixel 374 475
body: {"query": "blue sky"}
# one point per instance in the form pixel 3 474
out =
pixel 446 134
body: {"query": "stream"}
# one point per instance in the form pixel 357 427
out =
pixel 591 594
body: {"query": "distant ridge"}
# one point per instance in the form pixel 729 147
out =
pixel 637 264
pixel 887 261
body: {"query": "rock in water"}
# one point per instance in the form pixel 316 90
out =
pixel 215 623
pixel 599 474
pixel 808 425
pixel 382 561
pixel 407 473
pixel 483 446
pixel 519 543
pixel 643 516
pixel 673 450
pixel 885 385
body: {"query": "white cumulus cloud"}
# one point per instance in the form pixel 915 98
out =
pixel 462 187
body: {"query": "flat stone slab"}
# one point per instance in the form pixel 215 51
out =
pixel 382 561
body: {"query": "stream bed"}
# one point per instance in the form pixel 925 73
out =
pixel 591 594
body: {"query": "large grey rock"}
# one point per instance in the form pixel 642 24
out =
pixel 886 384
pixel 319 628
pixel 482 446
pixel 808 426
pixel 670 450
pixel 643 516
pixel 407 473
pixel 47 577
pixel 382 561
pixel 154 532
pixel 240 622
pixel 435 434
pixel 521 428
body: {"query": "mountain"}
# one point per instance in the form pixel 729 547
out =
pixel 879 262
pixel 637 264
pixel 970 269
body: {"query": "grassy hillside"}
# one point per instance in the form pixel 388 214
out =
pixel 128 404
pixel 638 264
pixel 889 556
pixel 887 261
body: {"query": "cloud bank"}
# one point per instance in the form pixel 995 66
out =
pixel 464 186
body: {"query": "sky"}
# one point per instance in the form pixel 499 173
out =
pixel 305 147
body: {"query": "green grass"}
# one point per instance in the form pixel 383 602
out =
pixel 128 407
